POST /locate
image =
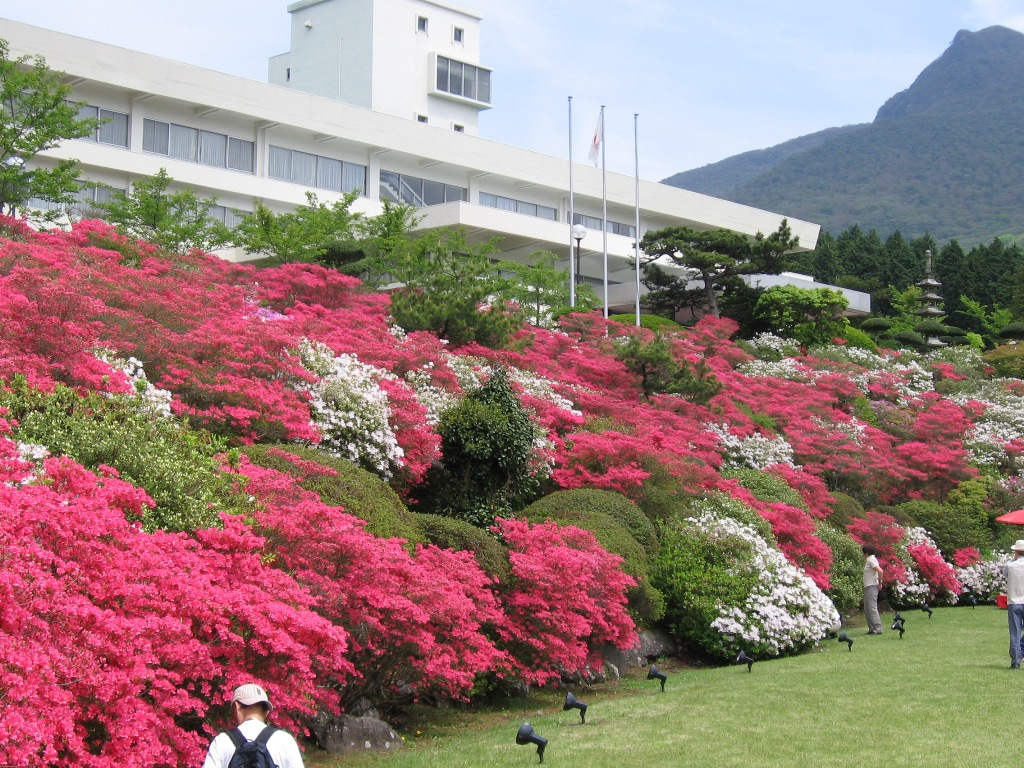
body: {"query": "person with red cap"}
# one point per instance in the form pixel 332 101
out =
pixel 250 706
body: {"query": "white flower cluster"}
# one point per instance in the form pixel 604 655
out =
pixel 917 535
pixel 33 453
pixel 786 368
pixel 350 409
pixel 435 399
pixel 755 451
pixel 854 428
pixel 154 399
pixel 1001 423
pixel 784 611
pixel 913 592
pixel 985 579
pixel 768 346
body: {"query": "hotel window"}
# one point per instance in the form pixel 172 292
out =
pixel 315 171
pixel 230 217
pixel 197 146
pixel 518 206
pixel 84 205
pixel 614 227
pixel 417 192
pixel 421 23
pixel 461 79
pixel 113 130
pixel 458 35
pixel 459 128
pixel 421 118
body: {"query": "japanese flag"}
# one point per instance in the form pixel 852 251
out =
pixel 595 144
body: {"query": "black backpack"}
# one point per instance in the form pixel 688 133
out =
pixel 249 753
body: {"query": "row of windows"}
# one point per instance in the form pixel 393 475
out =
pixel 85 198
pixel 198 146
pixel 460 79
pixel 614 227
pixel 113 130
pixel 518 206
pixel 417 192
pixel 316 171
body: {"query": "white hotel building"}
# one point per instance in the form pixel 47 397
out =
pixel 376 96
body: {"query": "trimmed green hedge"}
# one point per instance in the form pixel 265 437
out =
pixel 359 492
pixel 615 505
pixel 178 466
pixel 766 486
pixel 458 535
pixel 846 577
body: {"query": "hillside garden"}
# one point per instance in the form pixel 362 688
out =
pixel 215 473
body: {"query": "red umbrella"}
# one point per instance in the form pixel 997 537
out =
pixel 1013 518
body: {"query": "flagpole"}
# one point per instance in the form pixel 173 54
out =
pixel 572 220
pixel 604 214
pixel 636 233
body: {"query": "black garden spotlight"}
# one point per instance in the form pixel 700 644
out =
pixel 845 638
pixel 927 609
pixel 743 658
pixel 526 736
pixel 654 674
pixel 571 702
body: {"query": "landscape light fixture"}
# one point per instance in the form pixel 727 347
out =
pixel 654 674
pixel 970 599
pixel 743 658
pixel 578 233
pixel 898 626
pixel 845 638
pixel 927 609
pixel 571 702
pixel 526 736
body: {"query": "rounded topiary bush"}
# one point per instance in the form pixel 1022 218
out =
pixel 909 339
pixel 951 527
pixel 855 337
pixel 341 483
pixel 650 322
pixel 766 486
pixel 875 325
pixel 615 505
pixel 845 509
pixel 458 535
pixel 847 571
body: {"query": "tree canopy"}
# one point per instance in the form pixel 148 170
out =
pixel 35 115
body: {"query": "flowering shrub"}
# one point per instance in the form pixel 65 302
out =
pixel 350 410
pixel 727 589
pixel 109 636
pixel 555 624
pixel 984 579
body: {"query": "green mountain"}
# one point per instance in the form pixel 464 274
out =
pixel 944 157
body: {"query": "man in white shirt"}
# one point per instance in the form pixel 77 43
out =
pixel 1014 572
pixel 250 707
pixel 872 583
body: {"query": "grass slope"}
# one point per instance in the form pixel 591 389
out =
pixel 942 696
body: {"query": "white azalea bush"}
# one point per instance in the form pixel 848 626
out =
pixel 755 451
pixel 153 399
pixel 350 409
pixel 984 579
pixel 728 588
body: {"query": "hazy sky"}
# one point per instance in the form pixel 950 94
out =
pixel 709 78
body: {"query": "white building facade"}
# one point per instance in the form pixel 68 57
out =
pixel 359 105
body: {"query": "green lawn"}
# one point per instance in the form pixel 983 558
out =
pixel 942 696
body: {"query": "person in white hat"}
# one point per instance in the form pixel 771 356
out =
pixel 1014 572
pixel 250 706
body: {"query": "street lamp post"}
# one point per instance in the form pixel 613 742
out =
pixel 578 233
